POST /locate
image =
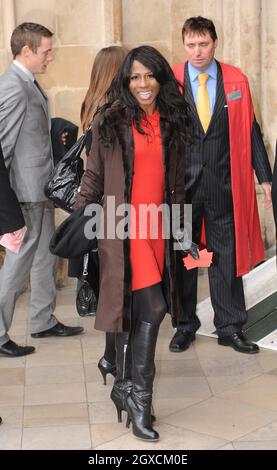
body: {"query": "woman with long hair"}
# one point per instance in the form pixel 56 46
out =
pixel 137 159
pixel 105 67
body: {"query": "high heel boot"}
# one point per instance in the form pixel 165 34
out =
pixel 123 383
pixel 107 365
pixel 105 368
pixel 138 402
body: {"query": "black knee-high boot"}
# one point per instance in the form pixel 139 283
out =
pixel 123 380
pixel 138 402
pixel 123 383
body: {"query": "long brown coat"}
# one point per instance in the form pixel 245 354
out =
pixel 109 173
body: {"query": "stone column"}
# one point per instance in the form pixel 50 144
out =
pixel 250 48
pixel 268 97
pixel 113 22
pixel 8 21
pixel 268 101
pixel 8 25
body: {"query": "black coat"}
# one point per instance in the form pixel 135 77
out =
pixel 11 218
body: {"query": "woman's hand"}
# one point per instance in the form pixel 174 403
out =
pixel 186 245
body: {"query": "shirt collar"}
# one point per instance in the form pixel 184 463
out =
pixel 24 69
pixel 211 70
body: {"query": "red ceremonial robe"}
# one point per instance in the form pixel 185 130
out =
pixel 249 244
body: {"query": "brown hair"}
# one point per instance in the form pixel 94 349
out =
pixel 199 25
pixel 28 34
pixel 105 67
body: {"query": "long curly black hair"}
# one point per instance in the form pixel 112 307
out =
pixel 122 105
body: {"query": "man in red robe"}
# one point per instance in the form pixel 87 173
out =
pixel 220 186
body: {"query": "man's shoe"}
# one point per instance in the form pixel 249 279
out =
pixel 239 343
pixel 181 341
pixel 12 349
pixel 59 330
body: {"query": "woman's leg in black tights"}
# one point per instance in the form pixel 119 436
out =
pixel 149 304
pixel 106 364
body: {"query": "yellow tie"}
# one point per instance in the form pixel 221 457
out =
pixel 203 101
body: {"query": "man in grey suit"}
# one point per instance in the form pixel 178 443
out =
pixel 26 145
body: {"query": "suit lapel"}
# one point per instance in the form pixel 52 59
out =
pixel 189 96
pixel 41 95
pixel 220 100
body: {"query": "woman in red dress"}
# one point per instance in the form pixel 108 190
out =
pixel 138 160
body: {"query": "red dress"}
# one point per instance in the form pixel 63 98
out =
pixel 147 246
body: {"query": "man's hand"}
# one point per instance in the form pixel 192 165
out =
pixel 267 195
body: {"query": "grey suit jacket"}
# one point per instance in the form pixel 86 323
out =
pixel 25 134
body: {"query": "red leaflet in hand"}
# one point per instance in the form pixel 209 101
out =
pixel 204 261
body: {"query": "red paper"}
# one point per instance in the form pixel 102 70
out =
pixel 12 241
pixel 204 260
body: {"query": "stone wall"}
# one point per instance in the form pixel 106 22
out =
pixel 246 31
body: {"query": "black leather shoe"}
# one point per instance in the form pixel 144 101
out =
pixel 239 343
pixel 12 349
pixel 181 341
pixel 0 420
pixel 59 330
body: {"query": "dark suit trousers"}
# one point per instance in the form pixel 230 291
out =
pixel 226 289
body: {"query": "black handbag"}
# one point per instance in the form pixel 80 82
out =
pixel 64 180
pixel 86 298
pixel 69 240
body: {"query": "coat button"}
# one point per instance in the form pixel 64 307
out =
pixel 172 191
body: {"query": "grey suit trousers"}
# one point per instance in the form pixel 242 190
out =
pixel 34 260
